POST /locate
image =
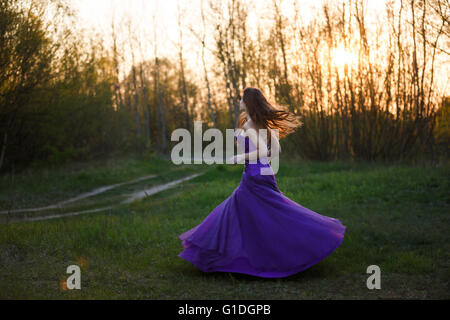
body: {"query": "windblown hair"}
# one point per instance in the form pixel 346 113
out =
pixel 266 115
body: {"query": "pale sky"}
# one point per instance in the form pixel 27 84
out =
pixel 96 16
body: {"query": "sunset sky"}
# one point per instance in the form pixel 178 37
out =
pixel 96 16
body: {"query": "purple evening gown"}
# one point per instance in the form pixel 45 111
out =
pixel 259 231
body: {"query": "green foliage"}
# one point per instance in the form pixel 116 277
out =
pixel 56 157
pixel 62 98
pixel 442 128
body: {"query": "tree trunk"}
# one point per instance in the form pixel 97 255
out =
pixel 2 154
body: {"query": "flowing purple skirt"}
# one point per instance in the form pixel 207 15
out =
pixel 259 231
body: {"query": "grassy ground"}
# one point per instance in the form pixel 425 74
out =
pixel 43 187
pixel 397 217
pixel 48 187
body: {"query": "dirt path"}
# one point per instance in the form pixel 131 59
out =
pixel 156 189
pixel 80 196
pixel 131 198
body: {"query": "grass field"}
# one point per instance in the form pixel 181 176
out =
pixel 397 217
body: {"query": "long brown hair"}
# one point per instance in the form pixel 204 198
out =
pixel 267 115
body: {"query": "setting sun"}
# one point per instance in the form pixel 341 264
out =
pixel 341 56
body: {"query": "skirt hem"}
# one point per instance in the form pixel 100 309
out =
pixel 263 274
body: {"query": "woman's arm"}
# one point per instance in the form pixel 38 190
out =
pixel 261 150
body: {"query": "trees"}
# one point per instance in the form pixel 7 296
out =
pixel 366 87
pixel 25 58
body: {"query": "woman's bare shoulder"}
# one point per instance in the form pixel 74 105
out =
pixel 248 125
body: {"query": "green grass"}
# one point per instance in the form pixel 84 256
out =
pixel 43 187
pixel 397 217
pixel 110 197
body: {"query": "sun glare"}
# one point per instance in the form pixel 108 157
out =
pixel 342 56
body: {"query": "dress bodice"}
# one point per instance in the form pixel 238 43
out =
pixel 250 147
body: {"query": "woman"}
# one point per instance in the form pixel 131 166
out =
pixel 257 230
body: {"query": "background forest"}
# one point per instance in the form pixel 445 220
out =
pixel 373 91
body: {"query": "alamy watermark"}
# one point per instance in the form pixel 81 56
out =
pixel 74 280
pixel 374 281
pixel 217 152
